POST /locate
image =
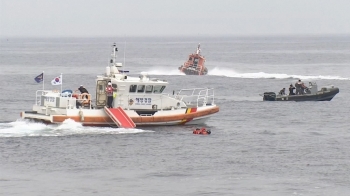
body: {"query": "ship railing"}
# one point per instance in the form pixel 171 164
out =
pixel 197 96
pixel 38 95
pixel 84 100
pixel 87 103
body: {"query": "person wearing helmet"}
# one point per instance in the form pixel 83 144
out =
pixel 109 92
pixel 82 89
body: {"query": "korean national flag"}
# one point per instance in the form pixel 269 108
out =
pixel 57 81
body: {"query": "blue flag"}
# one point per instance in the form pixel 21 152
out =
pixel 39 78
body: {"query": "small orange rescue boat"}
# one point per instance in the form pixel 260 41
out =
pixel 202 131
pixel 195 64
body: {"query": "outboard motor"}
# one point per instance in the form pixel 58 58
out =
pixel 269 96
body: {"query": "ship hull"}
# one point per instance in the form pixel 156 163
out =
pixel 192 72
pixel 97 117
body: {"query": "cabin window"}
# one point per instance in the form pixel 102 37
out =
pixel 195 60
pixel 158 89
pixel 140 88
pixel 133 88
pixel 115 87
pixel 149 89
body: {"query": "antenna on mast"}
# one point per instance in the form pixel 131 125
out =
pixel 114 54
pixel 124 53
pixel 198 49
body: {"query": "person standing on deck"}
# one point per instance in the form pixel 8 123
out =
pixel 291 89
pixel 109 92
pixel 298 87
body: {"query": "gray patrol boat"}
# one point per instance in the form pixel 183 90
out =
pixel 311 93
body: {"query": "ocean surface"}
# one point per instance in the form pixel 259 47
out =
pixel 256 148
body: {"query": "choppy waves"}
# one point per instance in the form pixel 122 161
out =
pixel 234 74
pixel 26 128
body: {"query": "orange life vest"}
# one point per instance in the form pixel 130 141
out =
pixel 109 91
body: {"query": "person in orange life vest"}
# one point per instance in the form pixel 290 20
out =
pixel 109 92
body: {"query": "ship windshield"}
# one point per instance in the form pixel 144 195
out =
pixel 149 89
pixel 158 89
pixel 133 88
pixel 140 88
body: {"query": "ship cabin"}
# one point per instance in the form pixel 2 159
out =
pixel 195 60
pixel 138 93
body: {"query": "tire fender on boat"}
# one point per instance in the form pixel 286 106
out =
pixel 85 98
pixel 81 114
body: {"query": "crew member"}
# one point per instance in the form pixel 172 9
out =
pixel 303 87
pixel 291 89
pixel 299 87
pixel 283 91
pixel 82 89
pixel 109 92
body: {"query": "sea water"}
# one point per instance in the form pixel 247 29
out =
pixel 256 147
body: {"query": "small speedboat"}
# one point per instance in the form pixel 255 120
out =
pixel 202 131
pixel 311 93
pixel 195 64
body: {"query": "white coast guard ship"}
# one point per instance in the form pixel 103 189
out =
pixel 138 101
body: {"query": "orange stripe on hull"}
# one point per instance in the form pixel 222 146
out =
pixel 188 111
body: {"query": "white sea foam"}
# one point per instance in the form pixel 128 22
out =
pixel 234 74
pixel 231 73
pixel 23 128
pixel 164 71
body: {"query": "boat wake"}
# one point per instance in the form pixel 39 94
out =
pixel 231 73
pixel 26 128
pixel 164 71
pixel 259 75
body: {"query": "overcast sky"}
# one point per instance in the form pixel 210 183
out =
pixel 87 18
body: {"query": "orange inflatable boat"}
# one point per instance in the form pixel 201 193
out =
pixel 202 131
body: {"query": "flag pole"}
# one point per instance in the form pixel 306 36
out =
pixel 61 83
pixel 43 81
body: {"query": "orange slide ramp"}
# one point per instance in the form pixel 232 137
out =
pixel 120 118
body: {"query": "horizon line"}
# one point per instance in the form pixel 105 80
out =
pixel 188 36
